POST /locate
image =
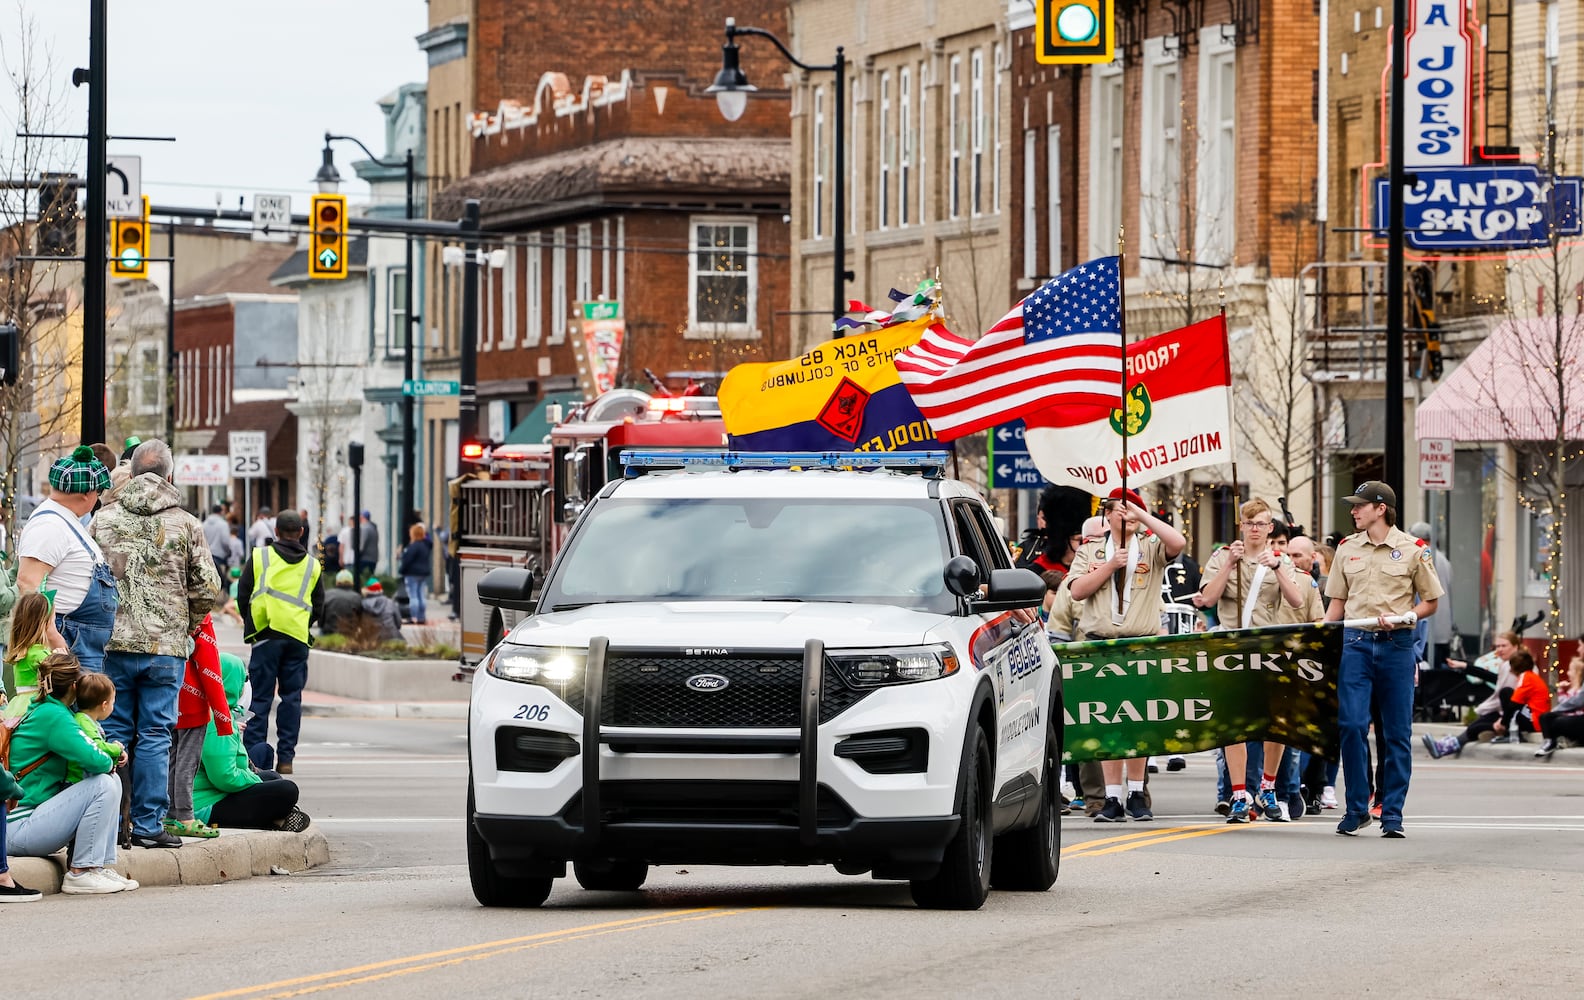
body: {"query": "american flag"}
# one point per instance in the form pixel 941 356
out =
pixel 1062 345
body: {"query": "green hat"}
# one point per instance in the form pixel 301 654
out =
pixel 80 472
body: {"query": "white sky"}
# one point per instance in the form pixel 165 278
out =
pixel 241 86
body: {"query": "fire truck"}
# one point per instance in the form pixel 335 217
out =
pixel 517 506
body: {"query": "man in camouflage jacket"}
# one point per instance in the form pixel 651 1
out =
pixel 166 582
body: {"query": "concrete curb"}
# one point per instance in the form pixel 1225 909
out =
pixel 388 710
pixel 231 856
pixel 1524 752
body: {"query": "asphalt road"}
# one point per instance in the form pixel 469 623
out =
pixel 1477 902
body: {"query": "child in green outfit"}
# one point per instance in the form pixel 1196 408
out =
pixel 95 700
pixel 26 649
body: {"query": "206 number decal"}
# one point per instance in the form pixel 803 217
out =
pixel 533 713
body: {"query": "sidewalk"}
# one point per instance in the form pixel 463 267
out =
pixel 1524 752
pixel 235 854
pixel 317 703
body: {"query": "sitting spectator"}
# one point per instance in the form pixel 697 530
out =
pixel 1488 712
pixel 383 610
pixel 95 702
pixel 227 792
pixel 26 650
pixel 416 561
pixel 202 703
pixel 1566 720
pixel 11 891
pixel 1521 707
pixel 51 813
pixel 343 606
pixel 227 602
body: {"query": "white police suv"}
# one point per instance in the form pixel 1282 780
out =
pixel 770 659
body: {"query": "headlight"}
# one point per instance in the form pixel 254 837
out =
pixel 868 668
pixel 549 666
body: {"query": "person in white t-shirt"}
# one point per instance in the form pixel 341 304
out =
pixel 262 530
pixel 58 554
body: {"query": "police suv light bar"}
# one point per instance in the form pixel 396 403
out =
pixel 928 463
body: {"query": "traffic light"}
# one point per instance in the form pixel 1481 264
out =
pixel 10 353
pixel 129 245
pixel 354 454
pixel 57 216
pixel 327 246
pixel 1074 31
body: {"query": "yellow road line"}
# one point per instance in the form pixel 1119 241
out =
pixel 1085 845
pixel 665 917
pixel 1206 832
pixel 393 973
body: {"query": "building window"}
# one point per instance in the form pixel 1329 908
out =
pixel 585 262
pixel 1053 202
pixel 1215 233
pixel 923 147
pixel 558 286
pixel 150 380
pixel 1030 205
pixel 995 130
pixel 1160 165
pixel 605 258
pixel 510 286
pixel 396 325
pixel 486 275
pixel 533 330
pixel 955 125
pixel 1105 150
pixel 905 145
pixel 721 280
pixel 883 197
pixel 621 257
pixel 852 158
pixel 977 138
pixel 817 223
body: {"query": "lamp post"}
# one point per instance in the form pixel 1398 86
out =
pixel 731 89
pixel 328 179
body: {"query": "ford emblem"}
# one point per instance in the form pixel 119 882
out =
pixel 708 682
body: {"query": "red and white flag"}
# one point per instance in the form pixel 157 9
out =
pixel 1061 345
pixel 1179 416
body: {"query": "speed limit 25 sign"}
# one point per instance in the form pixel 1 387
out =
pixel 247 454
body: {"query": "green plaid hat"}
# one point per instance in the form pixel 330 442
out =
pixel 80 472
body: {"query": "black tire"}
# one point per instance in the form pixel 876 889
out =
pixel 490 887
pixel 612 876
pixel 1028 860
pixel 963 881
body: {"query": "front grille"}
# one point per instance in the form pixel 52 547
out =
pixel 772 803
pixel 649 689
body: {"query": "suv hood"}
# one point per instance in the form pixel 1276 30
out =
pixel 743 625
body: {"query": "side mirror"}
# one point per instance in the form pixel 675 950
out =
pixel 507 587
pixel 1011 589
pixel 962 577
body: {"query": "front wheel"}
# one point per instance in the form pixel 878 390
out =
pixel 1027 860
pixel 963 881
pixel 490 887
pixel 611 876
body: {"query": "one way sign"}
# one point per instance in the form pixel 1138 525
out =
pixel 124 187
pixel 1010 464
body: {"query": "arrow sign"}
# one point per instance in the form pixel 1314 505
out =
pixel 1010 464
pixel 272 218
pixel 328 258
pixel 124 187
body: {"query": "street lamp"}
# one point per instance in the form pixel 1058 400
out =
pixel 328 178
pixel 731 89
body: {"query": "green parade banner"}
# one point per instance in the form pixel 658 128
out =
pixel 1186 693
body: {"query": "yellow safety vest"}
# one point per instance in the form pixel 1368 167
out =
pixel 280 594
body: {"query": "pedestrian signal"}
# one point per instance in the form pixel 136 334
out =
pixel 129 245
pixel 327 246
pixel 1074 31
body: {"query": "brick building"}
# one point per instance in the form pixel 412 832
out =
pixel 604 172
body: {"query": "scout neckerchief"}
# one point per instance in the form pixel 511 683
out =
pixel 1121 593
pixel 1253 594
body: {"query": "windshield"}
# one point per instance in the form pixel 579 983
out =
pixel 869 551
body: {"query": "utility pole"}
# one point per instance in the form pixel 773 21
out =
pixel 1394 254
pixel 93 353
pixel 409 445
pixel 467 402
pixel 170 337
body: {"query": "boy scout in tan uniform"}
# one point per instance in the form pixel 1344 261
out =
pixel 1380 573
pixel 1116 585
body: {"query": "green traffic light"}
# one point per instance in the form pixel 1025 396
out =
pixel 1077 23
pixel 131 258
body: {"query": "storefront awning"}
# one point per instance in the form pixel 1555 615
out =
pixel 533 428
pixel 1507 388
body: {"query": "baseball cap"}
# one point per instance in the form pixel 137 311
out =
pixel 288 522
pixel 1373 491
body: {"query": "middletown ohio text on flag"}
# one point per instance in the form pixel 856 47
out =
pixel 1185 693
pixel 1178 416
pixel 1062 344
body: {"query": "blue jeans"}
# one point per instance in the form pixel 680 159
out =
pixel 281 663
pixel 143 718
pixel 90 811
pixel 415 597
pixel 1378 666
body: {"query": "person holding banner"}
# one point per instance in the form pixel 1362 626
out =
pixel 1251 584
pixel 1116 583
pixel 1377 572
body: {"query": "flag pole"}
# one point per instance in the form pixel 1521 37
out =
pixel 1226 352
pixel 1122 326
